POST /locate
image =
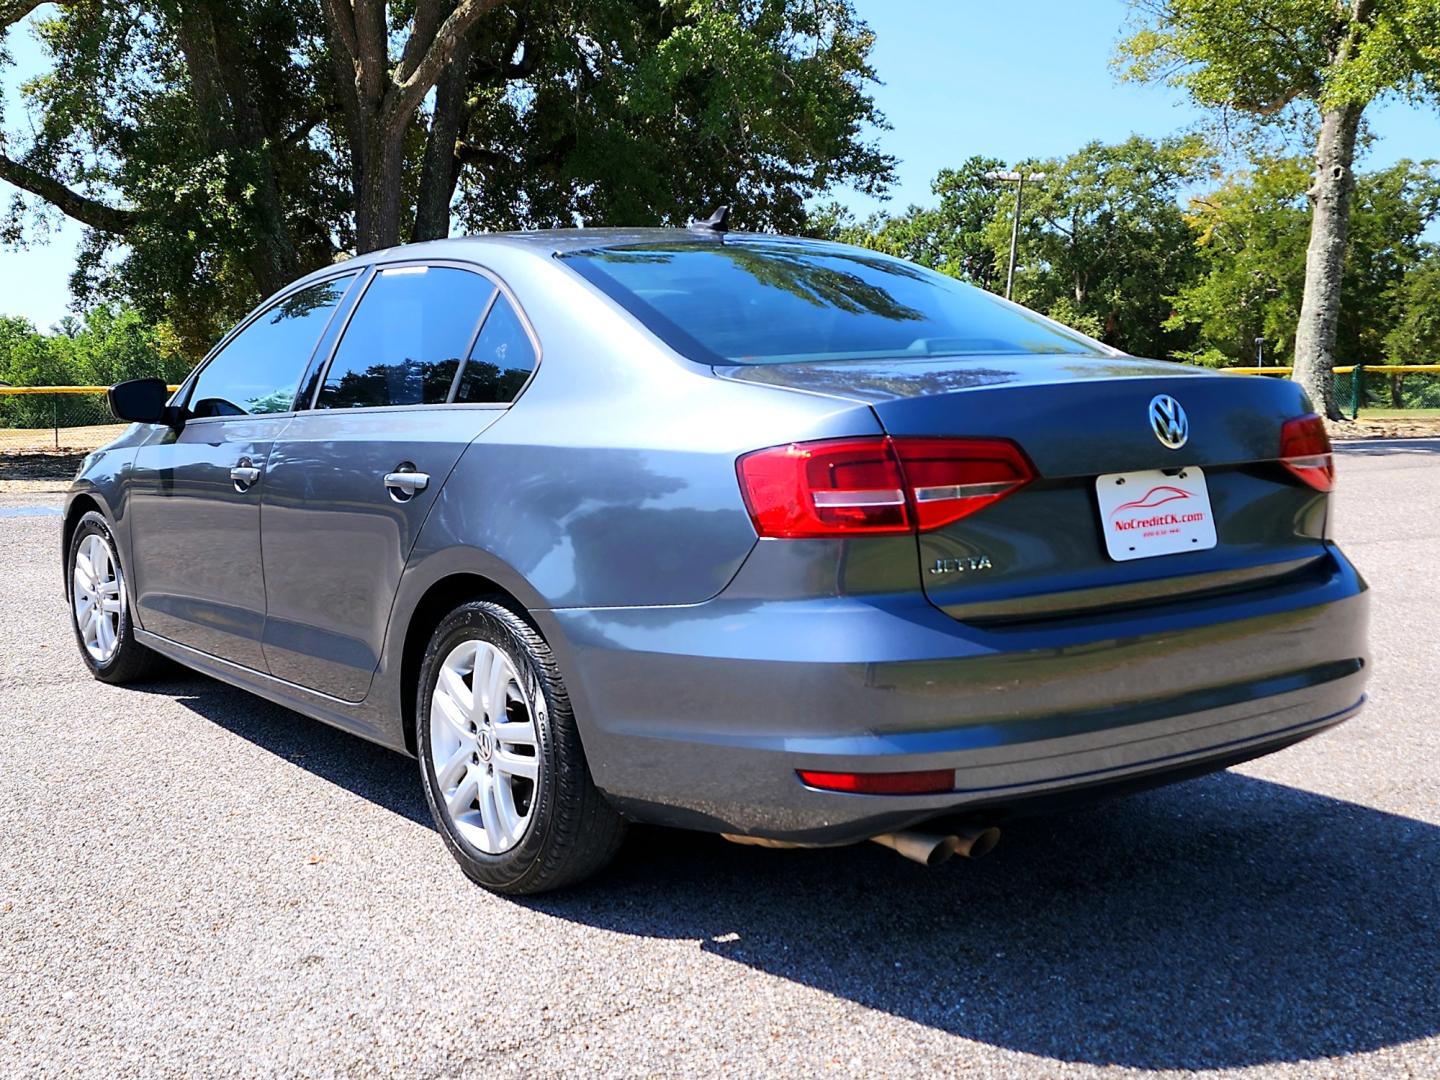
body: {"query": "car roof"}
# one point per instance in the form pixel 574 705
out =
pixel 563 241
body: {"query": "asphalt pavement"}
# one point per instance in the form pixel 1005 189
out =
pixel 195 882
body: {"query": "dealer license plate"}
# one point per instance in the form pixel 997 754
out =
pixel 1153 513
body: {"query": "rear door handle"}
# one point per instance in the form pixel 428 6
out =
pixel 244 474
pixel 404 485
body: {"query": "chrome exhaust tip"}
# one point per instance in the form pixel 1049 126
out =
pixel 931 849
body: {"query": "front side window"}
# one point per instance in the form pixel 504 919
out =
pixel 406 339
pixel 259 370
pixel 778 302
pixel 501 361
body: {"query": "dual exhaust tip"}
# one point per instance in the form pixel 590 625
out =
pixel 931 849
pixel 927 849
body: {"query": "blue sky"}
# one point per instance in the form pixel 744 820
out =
pixel 960 77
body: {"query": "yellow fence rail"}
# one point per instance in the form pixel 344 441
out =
pixel 17 391
pixel 1371 369
pixel 1350 390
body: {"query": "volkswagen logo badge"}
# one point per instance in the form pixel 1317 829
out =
pixel 1168 421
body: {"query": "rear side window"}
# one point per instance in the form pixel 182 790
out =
pixel 259 370
pixel 406 339
pixel 501 361
pixel 767 301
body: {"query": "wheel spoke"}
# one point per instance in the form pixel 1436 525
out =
pixel 104 633
pixel 505 806
pixel 520 733
pixel 453 682
pixel 497 689
pixel 458 801
pixel 492 812
pixel 517 765
pixel 446 773
pixel 449 711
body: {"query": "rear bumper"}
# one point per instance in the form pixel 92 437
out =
pixel 700 716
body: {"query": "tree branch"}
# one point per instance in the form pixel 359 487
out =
pixel 12 11
pixel 428 14
pixel 410 91
pixel 341 17
pixel 372 59
pixel 85 210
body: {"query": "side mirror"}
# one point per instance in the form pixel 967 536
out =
pixel 140 401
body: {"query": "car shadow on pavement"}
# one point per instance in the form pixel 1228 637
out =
pixel 381 776
pixel 1223 922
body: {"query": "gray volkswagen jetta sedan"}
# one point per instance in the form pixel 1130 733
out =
pixel 780 539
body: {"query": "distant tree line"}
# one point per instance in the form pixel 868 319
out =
pixel 1154 248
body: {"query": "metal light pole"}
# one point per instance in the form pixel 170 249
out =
pixel 1018 179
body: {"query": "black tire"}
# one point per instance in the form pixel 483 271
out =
pixel 131 662
pixel 572 831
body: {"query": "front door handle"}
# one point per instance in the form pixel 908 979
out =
pixel 403 484
pixel 244 475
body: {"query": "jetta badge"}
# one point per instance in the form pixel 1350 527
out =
pixel 1168 421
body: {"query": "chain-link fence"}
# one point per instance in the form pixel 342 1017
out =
pixel 1408 390
pixel 68 418
pixel 1379 391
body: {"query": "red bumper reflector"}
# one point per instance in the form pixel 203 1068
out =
pixel 930 782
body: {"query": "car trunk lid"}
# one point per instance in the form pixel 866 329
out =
pixel 1041 553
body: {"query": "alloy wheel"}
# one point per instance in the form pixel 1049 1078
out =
pixel 98 595
pixel 484 746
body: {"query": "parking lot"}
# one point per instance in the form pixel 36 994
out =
pixel 195 881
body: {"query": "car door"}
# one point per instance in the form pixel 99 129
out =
pixel 350 480
pixel 194 495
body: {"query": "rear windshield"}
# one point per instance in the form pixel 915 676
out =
pixel 782 302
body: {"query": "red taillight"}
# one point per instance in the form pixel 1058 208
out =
pixel 840 486
pixel 929 782
pixel 1305 451
pixel 949 479
pixel 843 487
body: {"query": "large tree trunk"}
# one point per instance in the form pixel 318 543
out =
pixel 380 98
pixel 221 84
pixel 1325 257
pixel 379 173
pixel 440 171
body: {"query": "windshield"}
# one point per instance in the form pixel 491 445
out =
pixel 778 302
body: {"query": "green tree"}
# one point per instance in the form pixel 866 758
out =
pixel 1307 60
pixel 216 149
pixel 952 236
pixel 1415 336
pixel 1252 232
pixel 1103 242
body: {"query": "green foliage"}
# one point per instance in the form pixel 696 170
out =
pixel 1105 241
pixel 207 143
pixel 1107 248
pixel 654 111
pixel 1252 233
pixel 1414 338
pixel 1257 58
pixel 111 345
